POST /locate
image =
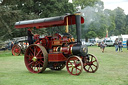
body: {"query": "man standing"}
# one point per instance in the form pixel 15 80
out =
pixel 127 44
pixel 30 34
pixel 120 46
pixel 116 45
pixel 12 44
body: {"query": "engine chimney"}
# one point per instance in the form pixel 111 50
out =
pixel 78 27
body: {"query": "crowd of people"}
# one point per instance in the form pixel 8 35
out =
pixel 118 46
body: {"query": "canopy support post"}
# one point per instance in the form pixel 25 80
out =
pixel 66 25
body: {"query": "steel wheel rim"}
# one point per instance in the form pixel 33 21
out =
pixel 36 58
pixel 16 50
pixel 91 65
pixel 74 65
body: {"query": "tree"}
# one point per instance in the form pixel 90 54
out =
pixel 84 3
pixel 126 26
pixel 19 10
pixel 95 23
pixel 110 19
pixel 120 21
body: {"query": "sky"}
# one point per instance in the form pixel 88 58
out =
pixel 112 4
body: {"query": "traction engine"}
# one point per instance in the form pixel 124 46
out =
pixel 57 51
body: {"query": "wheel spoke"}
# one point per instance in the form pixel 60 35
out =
pixel 72 70
pixel 88 68
pixel 40 57
pixel 40 63
pixel 31 50
pixel 34 67
pixel 28 56
pixel 39 68
pixel 78 64
pixel 31 54
pixel 69 66
pixel 78 69
pixel 91 68
pixel 70 63
pixel 94 61
pixel 91 58
pixel 94 65
pixel 74 62
pixel 34 51
pixel 38 53
pixel 30 63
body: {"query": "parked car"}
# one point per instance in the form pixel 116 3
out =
pixel 87 43
pixel 5 46
pixel 108 42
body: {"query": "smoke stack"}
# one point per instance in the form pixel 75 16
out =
pixel 78 27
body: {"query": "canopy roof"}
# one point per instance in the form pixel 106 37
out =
pixel 48 22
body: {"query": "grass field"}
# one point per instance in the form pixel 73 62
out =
pixel 113 70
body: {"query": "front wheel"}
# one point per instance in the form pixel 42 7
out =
pixel 90 63
pixel 74 65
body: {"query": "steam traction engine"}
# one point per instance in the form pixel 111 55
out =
pixel 19 48
pixel 56 51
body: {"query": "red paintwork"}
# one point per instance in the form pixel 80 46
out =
pixel 71 21
pixel 56 57
pixel 65 50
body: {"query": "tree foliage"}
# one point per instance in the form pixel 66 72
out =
pixel 19 10
pixel 120 21
pixel 84 3
pixel 97 20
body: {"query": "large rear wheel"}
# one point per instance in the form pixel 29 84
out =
pixel 36 58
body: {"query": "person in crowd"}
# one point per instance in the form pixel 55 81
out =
pixel 30 35
pixel 116 45
pixel 103 47
pixel 120 45
pixel 12 43
pixel 127 44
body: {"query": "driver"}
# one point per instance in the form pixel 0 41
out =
pixel 30 35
